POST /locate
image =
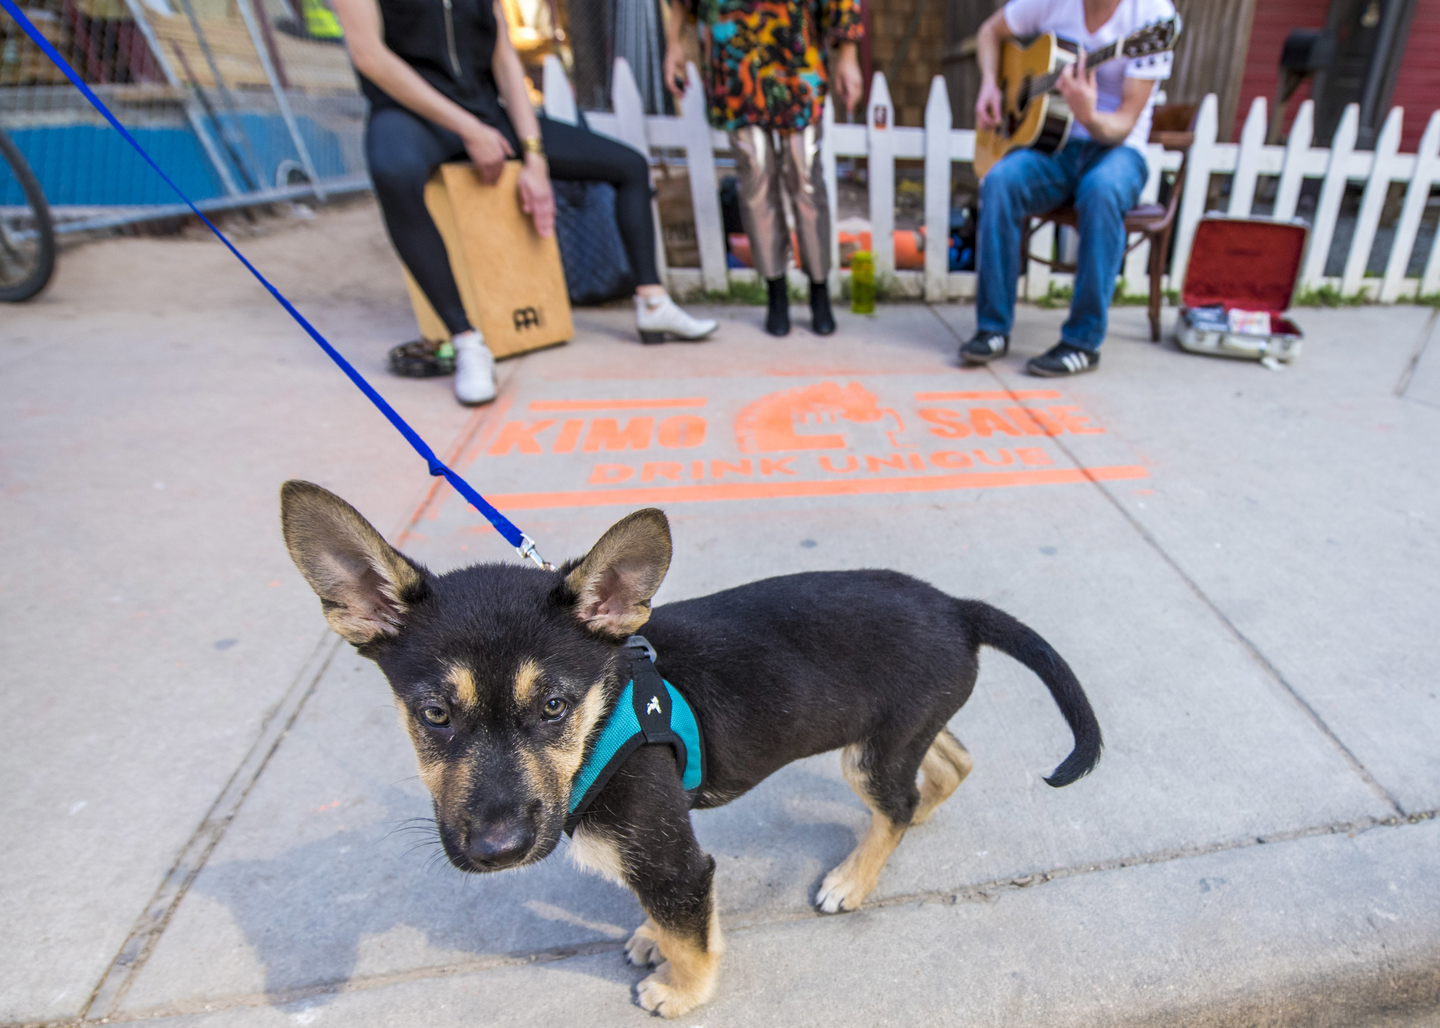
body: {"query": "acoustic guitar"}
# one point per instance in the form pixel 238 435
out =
pixel 1033 114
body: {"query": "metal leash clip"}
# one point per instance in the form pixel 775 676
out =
pixel 527 550
pixel 639 642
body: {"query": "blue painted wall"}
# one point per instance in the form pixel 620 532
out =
pixel 90 164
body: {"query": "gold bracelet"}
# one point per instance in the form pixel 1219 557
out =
pixel 532 144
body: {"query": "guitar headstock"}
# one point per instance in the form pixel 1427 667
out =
pixel 1152 39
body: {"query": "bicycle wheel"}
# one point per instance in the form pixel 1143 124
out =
pixel 27 235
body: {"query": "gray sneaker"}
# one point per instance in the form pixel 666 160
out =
pixel 984 347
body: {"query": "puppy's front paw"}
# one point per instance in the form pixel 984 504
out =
pixel 643 950
pixel 841 891
pixel 657 995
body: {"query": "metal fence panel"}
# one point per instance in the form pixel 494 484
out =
pixel 236 99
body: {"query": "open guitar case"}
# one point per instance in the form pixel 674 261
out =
pixel 1238 286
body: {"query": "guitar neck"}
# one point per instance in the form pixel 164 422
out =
pixel 1045 83
pixel 1102 55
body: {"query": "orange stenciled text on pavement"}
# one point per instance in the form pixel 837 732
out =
pixel 826 438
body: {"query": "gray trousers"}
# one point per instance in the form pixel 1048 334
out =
pixel 765 161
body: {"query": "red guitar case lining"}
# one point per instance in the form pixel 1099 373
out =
pixel 1249 263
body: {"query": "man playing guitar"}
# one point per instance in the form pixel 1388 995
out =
pixel 1101 169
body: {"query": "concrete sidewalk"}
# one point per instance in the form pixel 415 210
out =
pixel 204 786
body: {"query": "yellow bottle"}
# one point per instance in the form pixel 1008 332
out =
pixel 862 282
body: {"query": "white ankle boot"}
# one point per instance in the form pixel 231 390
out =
pixel 474 369
pixel 657 317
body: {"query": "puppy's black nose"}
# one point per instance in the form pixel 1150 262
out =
pixel 500 845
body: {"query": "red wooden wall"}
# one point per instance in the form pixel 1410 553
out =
pixel 1273 21
pixel 1417 86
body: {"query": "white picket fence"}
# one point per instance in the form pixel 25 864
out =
pixel 1336 167
pixel 938 144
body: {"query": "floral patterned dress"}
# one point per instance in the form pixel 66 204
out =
pixel 765 59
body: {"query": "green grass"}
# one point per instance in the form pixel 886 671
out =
pixel 1322 296
pixel 1060 296
pixel 1124 299
pixel 756 294
pixel 1328 296
pixel 887 290
pixel 1055 296
pixel 753 294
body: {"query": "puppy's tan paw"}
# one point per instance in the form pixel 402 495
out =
pixel 841 891
pixel 657 995
pixel 643 950
pixel 846 887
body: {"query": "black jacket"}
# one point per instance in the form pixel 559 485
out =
pixel 450 43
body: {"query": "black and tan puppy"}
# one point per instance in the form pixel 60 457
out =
pixel 502 674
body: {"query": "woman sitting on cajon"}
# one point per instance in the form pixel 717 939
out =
pixel 436 73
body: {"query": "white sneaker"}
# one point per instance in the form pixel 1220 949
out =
pixel 657 317
pixel 474 369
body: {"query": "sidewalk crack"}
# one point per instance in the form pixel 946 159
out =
pixel 151 924
pixel 982 892
pixel 110 992
pixel 1412 365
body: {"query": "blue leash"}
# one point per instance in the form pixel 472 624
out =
pixel 516 538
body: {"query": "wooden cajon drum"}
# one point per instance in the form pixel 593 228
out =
pixel 510 277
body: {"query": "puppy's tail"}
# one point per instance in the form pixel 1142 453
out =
pixel 996 628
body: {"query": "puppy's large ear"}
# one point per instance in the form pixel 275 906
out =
pixel 365 585
pixel 615 581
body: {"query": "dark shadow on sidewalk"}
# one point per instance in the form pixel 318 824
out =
pixel 308 911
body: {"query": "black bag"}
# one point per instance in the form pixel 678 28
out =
pixel 596 268
pixel 591 250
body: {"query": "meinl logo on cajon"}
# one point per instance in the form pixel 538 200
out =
pixel 510 277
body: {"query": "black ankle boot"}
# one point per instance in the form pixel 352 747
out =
pixel 777 319
pixel 822 319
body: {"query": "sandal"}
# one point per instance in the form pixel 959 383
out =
pixel 422 359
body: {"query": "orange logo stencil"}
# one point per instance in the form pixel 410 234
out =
pixel 776 423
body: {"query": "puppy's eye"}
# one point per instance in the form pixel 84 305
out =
pixel 436 716
pixel 553 709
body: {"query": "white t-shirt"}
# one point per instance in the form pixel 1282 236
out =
pixel 1066 18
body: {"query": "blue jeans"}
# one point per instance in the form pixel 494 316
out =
pixel 1103 182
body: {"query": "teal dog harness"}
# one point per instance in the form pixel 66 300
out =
pixel 650 711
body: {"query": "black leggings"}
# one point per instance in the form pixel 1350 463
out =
pixel 403 149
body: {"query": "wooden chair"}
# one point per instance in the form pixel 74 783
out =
pixel 1172 128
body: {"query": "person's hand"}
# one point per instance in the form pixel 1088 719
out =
pixel 989 105
pixel 1077 87
pixel 846 80
pixel 674 70
pixel 537 199
pixel 487 149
